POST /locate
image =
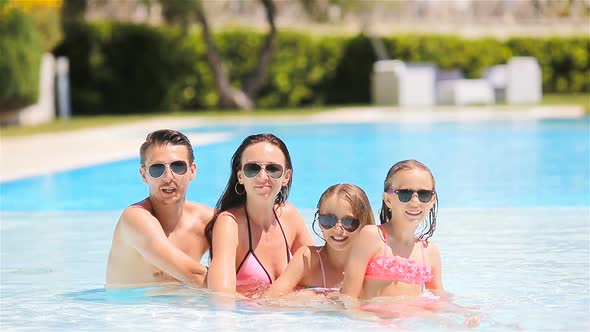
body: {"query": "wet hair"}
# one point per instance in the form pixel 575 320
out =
pixel 355 196
pixel 385 213
pixel 166 137
pixel 230 198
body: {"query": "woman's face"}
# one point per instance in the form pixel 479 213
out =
pixel 263 172
pixel 335 209
pixel 414 211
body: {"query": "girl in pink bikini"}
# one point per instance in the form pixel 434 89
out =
pixel 399 258
pixel 343 209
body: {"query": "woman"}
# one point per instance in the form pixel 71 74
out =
pixel 254 230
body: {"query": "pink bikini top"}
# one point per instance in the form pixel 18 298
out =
pixel 251 271
pixel 396 268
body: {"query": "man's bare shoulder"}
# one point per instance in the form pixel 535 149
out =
pixel 141 208
pixel 204 212
pixel 200 214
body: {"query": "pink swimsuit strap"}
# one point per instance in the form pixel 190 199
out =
pixel 396 268
pixel 251 271
pixel 322 266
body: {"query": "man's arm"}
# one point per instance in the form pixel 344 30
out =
pixel 140 230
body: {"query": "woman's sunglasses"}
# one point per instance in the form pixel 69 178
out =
pixel 327 221
pixel 405 195
pixel 251 170
pixel 157 170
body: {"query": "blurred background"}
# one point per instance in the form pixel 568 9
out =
pixel 162 56
pixel 512 168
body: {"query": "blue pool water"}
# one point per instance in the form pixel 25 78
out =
pixel 513 230
pixel 476 164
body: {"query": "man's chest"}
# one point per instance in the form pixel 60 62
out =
pixel 189 242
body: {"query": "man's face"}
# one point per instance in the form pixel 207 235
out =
pixel 167 172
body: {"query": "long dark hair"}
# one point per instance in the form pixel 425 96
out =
pixel 385 214
pixel 355 196
pixel 230 198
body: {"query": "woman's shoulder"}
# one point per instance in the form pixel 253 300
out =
pixel 233 213
pixel 287 209
pixel 228 219
pixel 289 213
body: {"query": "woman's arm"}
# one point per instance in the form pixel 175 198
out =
pixel 222 272
pixel 364 247
pixel 298 268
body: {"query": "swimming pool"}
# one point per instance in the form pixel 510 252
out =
pixel 514 229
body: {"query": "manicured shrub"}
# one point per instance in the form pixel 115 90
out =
pixel 126 68
pixel 20 60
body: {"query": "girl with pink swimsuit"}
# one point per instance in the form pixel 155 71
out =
pixel 343 209
pixel 396 258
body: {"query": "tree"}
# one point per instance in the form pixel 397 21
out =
pixel 184 12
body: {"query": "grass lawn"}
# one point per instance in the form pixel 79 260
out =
pixel 81 122
pixel 569 99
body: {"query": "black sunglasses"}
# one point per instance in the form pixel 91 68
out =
pixel 405 195
pixel 327 221
pixel 251 170
pixel 157 170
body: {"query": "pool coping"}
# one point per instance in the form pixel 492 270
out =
pixel 39 154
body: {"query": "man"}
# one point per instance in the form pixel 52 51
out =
pixel 161 239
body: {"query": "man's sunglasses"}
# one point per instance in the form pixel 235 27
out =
pixel 327 221
pixel 157 170
pixel 405 195
pixel 251 170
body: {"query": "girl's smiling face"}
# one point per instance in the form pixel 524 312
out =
pixel 413 211
pixel 337 237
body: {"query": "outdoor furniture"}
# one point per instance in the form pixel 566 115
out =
pixel 446 75
pixel 465 92
pixel 517 82
pixel 394 82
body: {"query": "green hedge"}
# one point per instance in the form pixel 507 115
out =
pixel 122 68
pixel 125 68
pixel 565 61
pixel 20 60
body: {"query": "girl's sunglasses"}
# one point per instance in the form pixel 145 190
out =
pixel 157 170
pixel 328 221
pixel 405 195
pixel 251 170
